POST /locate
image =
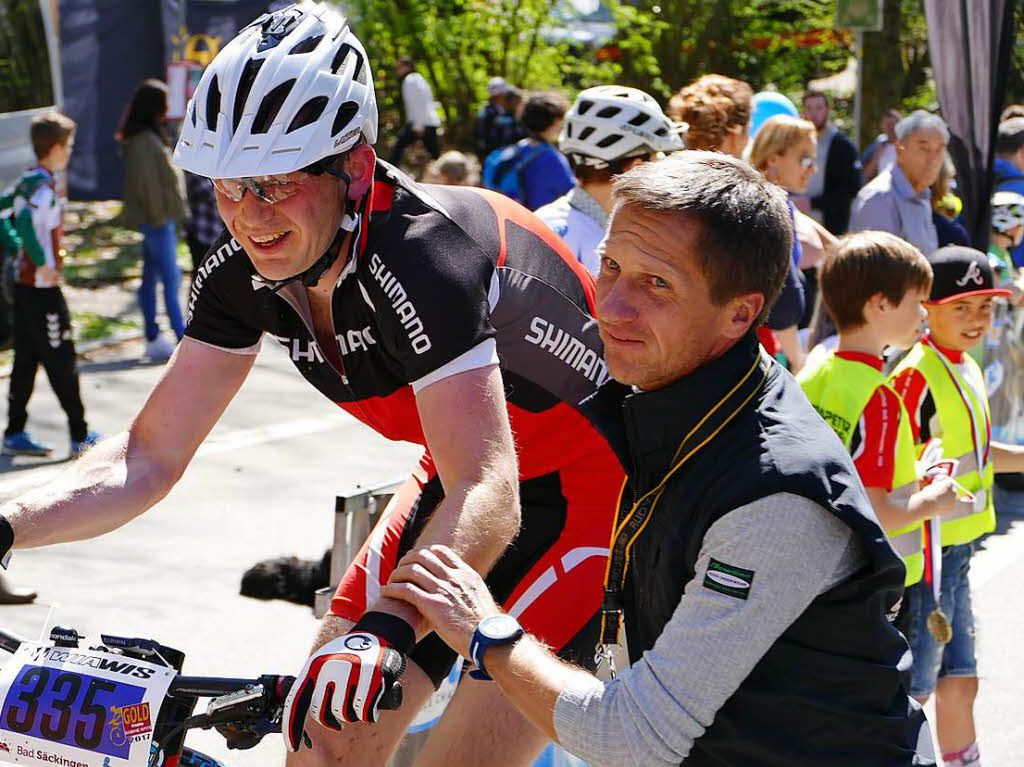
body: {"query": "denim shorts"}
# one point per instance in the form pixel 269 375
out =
pixel 933 661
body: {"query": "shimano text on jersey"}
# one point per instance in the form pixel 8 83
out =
pixel 403 307
pixel 568 349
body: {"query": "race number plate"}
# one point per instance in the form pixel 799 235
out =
pixel 78 708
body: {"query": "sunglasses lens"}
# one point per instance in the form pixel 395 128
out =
pixel 232 188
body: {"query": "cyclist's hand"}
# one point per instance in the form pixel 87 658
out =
pixel 349 679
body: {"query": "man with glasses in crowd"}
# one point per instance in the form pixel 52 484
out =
pixel 396 301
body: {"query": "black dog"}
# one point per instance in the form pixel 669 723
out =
pixel 289 578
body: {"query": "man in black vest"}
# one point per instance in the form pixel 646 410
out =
pixel 756 587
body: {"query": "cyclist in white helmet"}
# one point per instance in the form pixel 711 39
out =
pixel 415 308
pixel 1007 229
pixel 608 130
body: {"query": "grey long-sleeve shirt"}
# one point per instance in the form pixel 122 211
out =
pixel 655 710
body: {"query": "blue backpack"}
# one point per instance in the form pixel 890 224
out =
pixel 503 168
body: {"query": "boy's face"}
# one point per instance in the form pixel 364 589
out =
pixel 960 324
pixel 60 154
pixel 902 322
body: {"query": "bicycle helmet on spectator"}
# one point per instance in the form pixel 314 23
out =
pixel 612 122
pixel 1007 211
pixel 293 88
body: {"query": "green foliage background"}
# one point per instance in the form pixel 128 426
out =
pixel 662 45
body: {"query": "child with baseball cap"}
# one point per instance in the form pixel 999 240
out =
pixel 944 392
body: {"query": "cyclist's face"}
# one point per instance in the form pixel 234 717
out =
pixel 654 307
pixel 285 237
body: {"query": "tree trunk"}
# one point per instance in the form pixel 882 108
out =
pixel 882 72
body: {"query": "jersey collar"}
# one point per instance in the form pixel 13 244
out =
pixel 872 360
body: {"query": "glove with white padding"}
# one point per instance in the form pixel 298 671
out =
pixel 351 678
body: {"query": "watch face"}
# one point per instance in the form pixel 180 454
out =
pixel 499 627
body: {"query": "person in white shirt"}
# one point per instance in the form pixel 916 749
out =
pixel 421 118
pixel 608 130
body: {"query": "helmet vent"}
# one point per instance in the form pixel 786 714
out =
pixel 307 45
pixel 568 130
pixel 192 112
pixel 271 105
pixel 640 119
pixel 308 113
pixel 584 107
pixel 346 112
pixel 212 104
pixel 608 140
pixel 339 59
pixel 661 132
pixel 609 111
pixel 252 68
pixel 585 133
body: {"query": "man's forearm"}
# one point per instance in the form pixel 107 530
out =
pixel 532 679
pixel 1007 458
pixel 477 521
pixel 109 486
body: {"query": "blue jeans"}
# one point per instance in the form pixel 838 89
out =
pixel 160 262
pixel 933 661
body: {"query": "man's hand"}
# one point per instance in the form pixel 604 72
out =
pixel 349 679
pixel 450 594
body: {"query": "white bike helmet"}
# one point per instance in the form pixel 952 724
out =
pixel 1007 211
pixel 612 122
pixel 292 88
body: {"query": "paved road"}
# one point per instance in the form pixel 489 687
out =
pixel 264 487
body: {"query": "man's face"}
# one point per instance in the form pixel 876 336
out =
pixel 920 156
pixel 816 110
pixel 960 324
pixel 654 309
pixel 889 126
pixel 283 239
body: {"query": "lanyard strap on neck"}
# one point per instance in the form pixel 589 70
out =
pixel 978 434
pixel 629 525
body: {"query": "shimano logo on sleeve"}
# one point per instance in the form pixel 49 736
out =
pixel 403 306
pixel 567 348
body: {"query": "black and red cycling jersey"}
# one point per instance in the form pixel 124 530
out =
pixel 439 280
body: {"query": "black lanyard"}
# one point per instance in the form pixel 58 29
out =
pixel 629 525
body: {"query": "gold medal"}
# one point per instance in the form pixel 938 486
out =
pixel 938 625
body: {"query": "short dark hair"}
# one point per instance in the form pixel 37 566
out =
pixel 406 61
pixel 867 263
pixel 542 110
pixel 1010 138
pixel 746 241
pixel 814 93
pixel 50 130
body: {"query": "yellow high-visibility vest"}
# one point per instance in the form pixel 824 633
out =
pixel 964 418
pixel 840 389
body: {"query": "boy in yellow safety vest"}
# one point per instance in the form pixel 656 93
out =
pixel 874 284
pixel 943 390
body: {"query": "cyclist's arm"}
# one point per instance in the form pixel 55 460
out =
pixel 465 421
pixel 126 474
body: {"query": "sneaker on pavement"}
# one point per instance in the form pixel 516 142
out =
pixel 79 446
pixel 160 348
pixel 23 444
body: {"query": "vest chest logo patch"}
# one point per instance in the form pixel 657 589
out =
pixel 728 579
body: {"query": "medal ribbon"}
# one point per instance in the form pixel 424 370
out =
pixel 629 525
